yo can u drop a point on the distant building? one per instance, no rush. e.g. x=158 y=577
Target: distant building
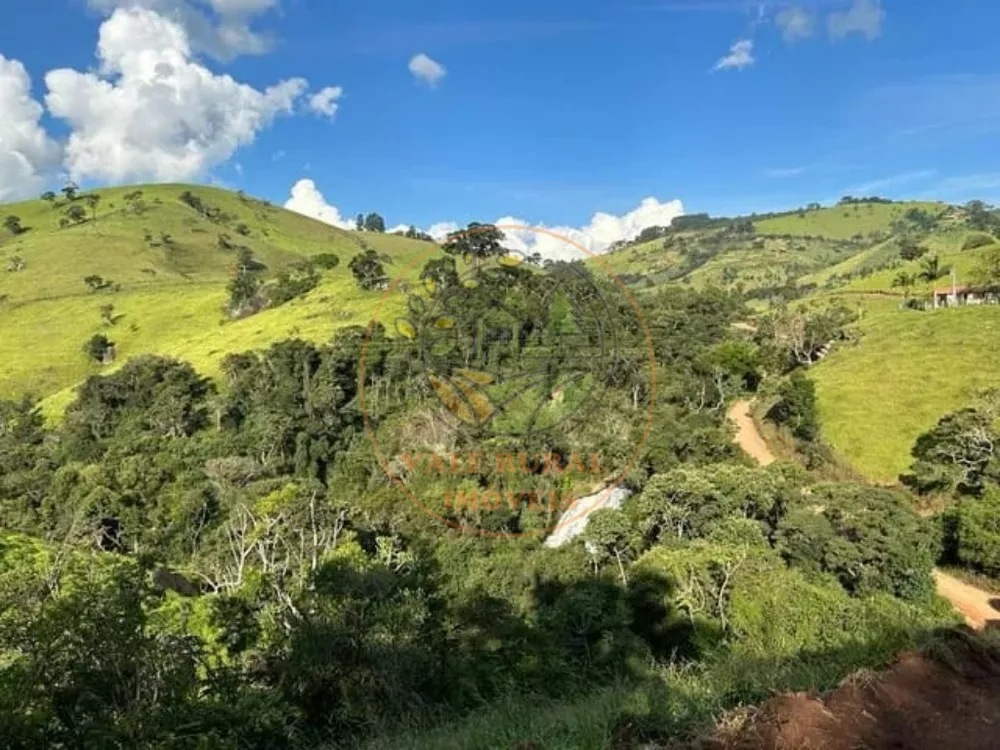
x=957 y=295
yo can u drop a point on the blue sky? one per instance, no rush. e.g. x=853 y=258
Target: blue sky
x=550 y=111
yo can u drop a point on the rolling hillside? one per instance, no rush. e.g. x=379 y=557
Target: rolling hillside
x=167 y=262
x=910 y=367
x=167 y=266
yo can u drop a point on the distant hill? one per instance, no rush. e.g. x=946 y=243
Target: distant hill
x=910 y=368
x=165 y=262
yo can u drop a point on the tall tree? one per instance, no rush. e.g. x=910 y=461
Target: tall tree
x=477 y=243
x=374 y=223
x=368 y=270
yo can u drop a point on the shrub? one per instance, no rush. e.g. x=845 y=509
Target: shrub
x=869 y=538
x=98 y=346
x=796 y=407
x=958 y=455
x=368 y=271
x=326 y=261
x=979 y=239
x=977 y=533
x=295 y=282
x=910 y=250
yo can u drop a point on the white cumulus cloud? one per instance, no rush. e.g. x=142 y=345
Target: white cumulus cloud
x=863 y=17
x=442 y=229
x=220 y=28
x=795 y=23
x=596 y=238
x=324 y=102
x=426 y=70
x=740 y=56
x=309 y=201
x=150 y=111
x=26 y=151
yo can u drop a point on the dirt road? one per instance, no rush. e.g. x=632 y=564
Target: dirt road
x=748 y=437
x=975 y=604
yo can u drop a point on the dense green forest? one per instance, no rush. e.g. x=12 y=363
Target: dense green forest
x=197 y=563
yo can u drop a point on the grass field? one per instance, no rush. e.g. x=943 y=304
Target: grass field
x=911 y=368
x=170 y=296
x=843 y=222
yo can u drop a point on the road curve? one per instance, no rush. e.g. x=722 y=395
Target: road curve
x=975 y=605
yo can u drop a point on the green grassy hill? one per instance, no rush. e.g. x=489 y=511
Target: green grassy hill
x=910 y=369
x=169 y=274
x=843 y=221
x=168 y=264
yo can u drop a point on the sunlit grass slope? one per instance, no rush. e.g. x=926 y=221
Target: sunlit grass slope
x=843 y=221
x=169 y=296
x=911 y=368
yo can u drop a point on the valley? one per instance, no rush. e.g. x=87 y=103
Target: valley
x=355 y=472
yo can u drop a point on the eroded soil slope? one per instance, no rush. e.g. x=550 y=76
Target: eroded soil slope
x=948 y=697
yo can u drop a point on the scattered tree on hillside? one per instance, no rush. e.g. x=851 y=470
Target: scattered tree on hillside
x=987 y=272
x=796 y=407
x=906 y=281
x=415 y=234
x=476 y=244
x=651 y=233
x=374 y=223
x=931 y=268
x=242 y=229
x=244 y=293
x=92 y=200
x=76 y=214
x=97 y=283
x=246 y=262
x=368 y=271
x=70 y=191
x=297 y=280
x=99 y=348
x=359 y=222
x=960 y=454
x=49 y=196
x=977 y=240
x=973 y=526
x=924 y=220
x=327 y=261
x=803 y=331
x=909 y=249
x=13 y=225
x=981 y=217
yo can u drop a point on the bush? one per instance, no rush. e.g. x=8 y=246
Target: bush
x=98 y=346
x=327 y=261
x=368 y=271
x=977 y=533
x=910 y=250
x=300 y=279
x=869 y=538
x=958 y=455
x=979 y=239
x=796 y=407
